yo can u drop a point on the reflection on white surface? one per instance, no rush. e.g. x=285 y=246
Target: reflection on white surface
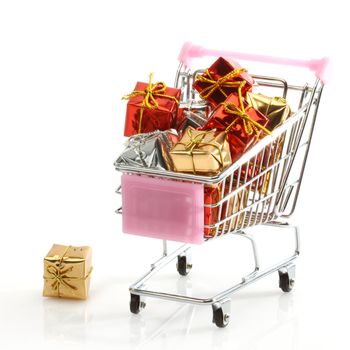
x=258 y=318
x=65 y=320
x=190 y=324
x=262 y=317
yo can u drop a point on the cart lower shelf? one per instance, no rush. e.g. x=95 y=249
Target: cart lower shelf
x=221 y=302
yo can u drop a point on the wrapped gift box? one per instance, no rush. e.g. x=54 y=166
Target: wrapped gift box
x=221 y=79
x=67 y=272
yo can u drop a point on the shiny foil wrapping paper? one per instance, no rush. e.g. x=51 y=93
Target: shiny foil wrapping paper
x=201 y=152
x=212 y=195
x=275 y=109
x=67 y=272
x=264 y=159
x=141 y=119
x=194 y=114
x=149 y=150
x=213 y=85
x=240 y=141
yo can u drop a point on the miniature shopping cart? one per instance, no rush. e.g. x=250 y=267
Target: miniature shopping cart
x=265 y=182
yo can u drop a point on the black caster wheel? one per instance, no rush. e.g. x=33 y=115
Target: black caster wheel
x=136 y=304
x=220 y=319
x=286 y=282
x=183 y=267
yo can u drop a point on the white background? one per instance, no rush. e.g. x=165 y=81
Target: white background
x=63 y=67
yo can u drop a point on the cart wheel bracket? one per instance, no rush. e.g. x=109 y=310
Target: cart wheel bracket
x=287 y=278
x=136 y=303
x=221 y=313
x=184 y=264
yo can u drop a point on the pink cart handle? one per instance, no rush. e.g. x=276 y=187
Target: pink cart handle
x=190 y=51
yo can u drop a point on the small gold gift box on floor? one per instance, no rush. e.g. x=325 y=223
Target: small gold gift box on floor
x=67 y=272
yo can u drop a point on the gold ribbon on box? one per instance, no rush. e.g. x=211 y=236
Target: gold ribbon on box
x=250 y=126
x=220 y=83
x=58 y=274
x=197 y=142
x=152 y=91
x=275 y=108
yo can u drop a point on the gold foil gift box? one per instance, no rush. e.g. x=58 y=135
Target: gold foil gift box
x=277 y=110
x=67 y=272
x=201 y=152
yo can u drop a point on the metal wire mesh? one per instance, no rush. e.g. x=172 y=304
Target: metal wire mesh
x=264 y=183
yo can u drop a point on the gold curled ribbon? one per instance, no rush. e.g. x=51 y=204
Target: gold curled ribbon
x=220 y=83
x=59 y=275
x=150 y=93
x=250 y=126
x=197 y=142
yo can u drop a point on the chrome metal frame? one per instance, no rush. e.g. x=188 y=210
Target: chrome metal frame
x=265 y=182
x=256 y=274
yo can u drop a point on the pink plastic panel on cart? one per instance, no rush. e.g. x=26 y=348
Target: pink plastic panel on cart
x=163 y=209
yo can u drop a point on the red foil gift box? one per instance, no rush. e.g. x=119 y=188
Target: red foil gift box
x=212 y=196
x=151 y=107
x=244 y=124
x=221 y=79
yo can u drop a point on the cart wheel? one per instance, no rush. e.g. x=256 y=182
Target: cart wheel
x=220 y=319
x=286 y=282
x=136 y=304
x=182 y=266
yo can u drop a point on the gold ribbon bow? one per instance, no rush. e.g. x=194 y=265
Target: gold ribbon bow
x=150 y=93
x=194 y=141
x=59 y=276
x=220 y=83
x=197 y=141
x=250 y=126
